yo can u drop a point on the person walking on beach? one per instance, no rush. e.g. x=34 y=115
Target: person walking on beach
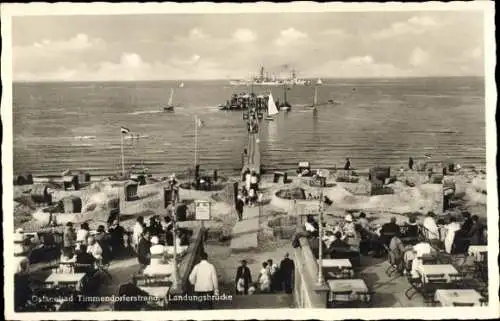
x=287 y=268
x=204 y=278
x=410 y=163
x=243 y=278
x=239 y=207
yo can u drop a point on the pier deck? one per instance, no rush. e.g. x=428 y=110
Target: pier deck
x=252 y=162
x=244 y=233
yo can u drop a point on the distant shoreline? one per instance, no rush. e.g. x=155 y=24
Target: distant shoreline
x=21 y=82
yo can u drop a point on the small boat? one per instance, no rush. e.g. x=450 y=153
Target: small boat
x=319 y=82
x=272 y=110
x=285 y=106
x=181 y=85
x=170 y=106
x=315 y=99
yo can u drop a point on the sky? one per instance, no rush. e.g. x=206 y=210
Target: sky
x=222 y=46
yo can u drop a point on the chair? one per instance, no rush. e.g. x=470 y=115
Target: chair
x=338 y=273
x=65 y=267
x=67 y=284
x=429 y=259
x=103 y=267
x=395 y=266
x=429 y=290
x=48 y=285
x=462 y=304
x=416 y=285
x=457 y=279
x=366 y=297
x=344 y=301
x=430 y=277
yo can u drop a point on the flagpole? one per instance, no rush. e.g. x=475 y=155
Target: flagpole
x=123 y=158
x=195 y=141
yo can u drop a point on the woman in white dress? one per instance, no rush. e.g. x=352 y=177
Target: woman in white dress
x=264 y=278
x=157 y=251
x=83 y=233
x=451 y=229
x=137 y=231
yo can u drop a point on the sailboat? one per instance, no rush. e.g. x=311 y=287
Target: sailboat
x=170 y=105
x=181 y=85
x=315 y=99
x=319 y=82
x=271 y=108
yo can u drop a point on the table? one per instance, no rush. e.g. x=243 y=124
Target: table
x=445 y=269
x=357 y=286
x=341 y=263
x=159 y=269
x=66 y=277
x=476 y=250
x=447 y=297
x=331 y=266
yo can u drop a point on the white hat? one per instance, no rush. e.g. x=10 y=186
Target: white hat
x=348 y=218
x=155 y=240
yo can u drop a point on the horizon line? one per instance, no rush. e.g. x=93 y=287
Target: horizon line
x=235 y=78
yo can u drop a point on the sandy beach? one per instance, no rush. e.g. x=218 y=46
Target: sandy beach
x=470 y=195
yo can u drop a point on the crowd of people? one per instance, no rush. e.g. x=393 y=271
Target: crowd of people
x=154 y=242
x=248 y=194
x=100 y=247
x=271 y=278
x=375 y=239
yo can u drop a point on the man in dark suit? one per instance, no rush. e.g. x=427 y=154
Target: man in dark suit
x=143 y=255
x=239 y=207
x=287 y=268
x=244 y=273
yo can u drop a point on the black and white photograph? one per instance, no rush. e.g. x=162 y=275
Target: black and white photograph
x=281 y=159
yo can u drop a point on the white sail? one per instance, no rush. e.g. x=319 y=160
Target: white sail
x=170 y=100
x=315 y=101
x=181 y=85
x=271 y=106
x=319 y=82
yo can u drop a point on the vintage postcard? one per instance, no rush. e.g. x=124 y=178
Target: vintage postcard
x=249 y=161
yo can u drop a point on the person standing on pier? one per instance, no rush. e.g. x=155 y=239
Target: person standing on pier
x=287 y=268
x=243 y=278
x=273 y=272
x=248 y=181
x=204 y=278
x=254 y=181
x=347 y=165
x=239 y=205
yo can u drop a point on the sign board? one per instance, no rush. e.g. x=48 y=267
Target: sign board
x=202 y=210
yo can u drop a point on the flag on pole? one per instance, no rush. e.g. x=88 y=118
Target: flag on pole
x=124 y=130
x=200 y=123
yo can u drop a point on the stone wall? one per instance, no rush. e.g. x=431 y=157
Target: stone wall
x=307 y=294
